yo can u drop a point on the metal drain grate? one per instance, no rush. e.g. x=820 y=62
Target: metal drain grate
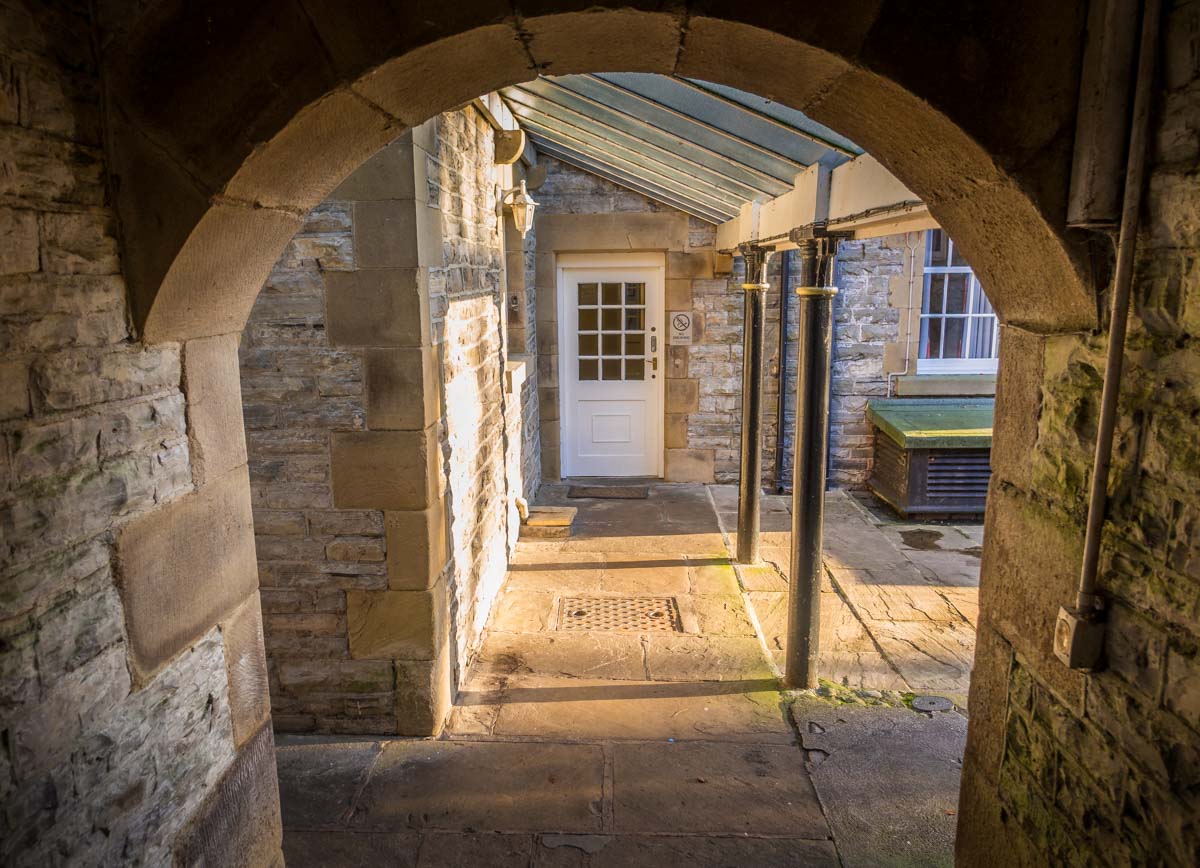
x=619 y=614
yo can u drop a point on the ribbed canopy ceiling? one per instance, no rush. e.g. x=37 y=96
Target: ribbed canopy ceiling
x=702 y=148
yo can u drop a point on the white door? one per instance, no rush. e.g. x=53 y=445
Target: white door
x=610 y=378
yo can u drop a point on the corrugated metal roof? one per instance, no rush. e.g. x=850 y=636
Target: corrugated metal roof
x=702 y=148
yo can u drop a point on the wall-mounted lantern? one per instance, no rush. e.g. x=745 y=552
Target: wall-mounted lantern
x=522 y=207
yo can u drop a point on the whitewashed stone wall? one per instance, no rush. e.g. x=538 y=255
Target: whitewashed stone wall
x=466 y=302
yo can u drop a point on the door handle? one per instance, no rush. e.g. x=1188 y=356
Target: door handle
x=654 y=343
x=654 y=363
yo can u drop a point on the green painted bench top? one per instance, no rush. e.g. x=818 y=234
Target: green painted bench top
x=954 y=423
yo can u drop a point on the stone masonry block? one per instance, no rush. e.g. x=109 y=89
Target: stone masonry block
x=691 y=465
x=383 y=307
x=184 y=566
x=424 y=691
x=390 y=174
x=20 y=232
x=385 y=469
x=679 y=294
x=212 y=382
x=1018 y=405
x=403 y=388
x=239 y=823
x=563 y=233
x=683 y=396
x=418 y=546
x=385 y=234
x=989 y=698
x=676 y=431
x=398 y=625
x=692 y=266
x=246 y=665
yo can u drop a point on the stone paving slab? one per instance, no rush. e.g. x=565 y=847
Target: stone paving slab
x=581 y=655
x=633 y=578
x=484 y=786
x=597 y=709
x=345 y=849
x=519 y=611
x=318 y=782
x=645 y=851
x=705 y=658
x=708 y=788
x=710 y=578
x=888 y=779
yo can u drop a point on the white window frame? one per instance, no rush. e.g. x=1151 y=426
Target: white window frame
x=974 y=289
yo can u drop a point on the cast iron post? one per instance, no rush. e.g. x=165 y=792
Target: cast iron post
x=814 y=349
x=750 y=477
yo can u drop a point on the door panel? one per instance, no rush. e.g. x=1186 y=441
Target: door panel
x=611 y=340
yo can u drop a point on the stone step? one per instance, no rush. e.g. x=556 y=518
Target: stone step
x=548 y=522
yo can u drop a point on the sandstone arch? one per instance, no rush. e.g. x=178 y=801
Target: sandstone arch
x=228 y=124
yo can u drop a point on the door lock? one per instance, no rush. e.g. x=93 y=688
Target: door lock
x=654 y=363
x=654 y=343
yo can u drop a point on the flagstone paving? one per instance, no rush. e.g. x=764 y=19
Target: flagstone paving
x=572 y=747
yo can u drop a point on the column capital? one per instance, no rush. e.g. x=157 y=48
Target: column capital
x=757 y=257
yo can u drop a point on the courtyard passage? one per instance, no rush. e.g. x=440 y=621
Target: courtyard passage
x=625 y=710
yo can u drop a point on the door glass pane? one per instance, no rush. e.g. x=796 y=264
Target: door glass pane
x=612 y=369
x=931 y=338
x=635 y=293
x=612 y=294
x=611 y=344
x=589 y=320
x=635 y=369
x=634 y=320
x=589 y=345
x=635 y=345
x=935 y=248
x=589 y=369
x=957 y=286
x=587 y=293
x=611 y=319
x=952 y=345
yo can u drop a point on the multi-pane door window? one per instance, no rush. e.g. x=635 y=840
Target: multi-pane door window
x=612 y=331
x=959 y=329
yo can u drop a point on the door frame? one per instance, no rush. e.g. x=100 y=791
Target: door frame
x=645 y=259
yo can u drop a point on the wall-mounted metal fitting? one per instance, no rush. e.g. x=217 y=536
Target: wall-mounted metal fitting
x=1079 y=638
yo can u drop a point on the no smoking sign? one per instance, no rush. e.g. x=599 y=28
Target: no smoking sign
x=680 y=323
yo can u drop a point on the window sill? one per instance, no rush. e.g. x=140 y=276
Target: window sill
x=946 y=385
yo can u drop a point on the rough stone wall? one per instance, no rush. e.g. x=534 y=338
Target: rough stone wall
x=320 y=559
x=104 y=758
x=296 y=388
x=865 y=323
x=1064 y=767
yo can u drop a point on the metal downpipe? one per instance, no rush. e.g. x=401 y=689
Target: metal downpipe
x=814 y=354
x=750 y=474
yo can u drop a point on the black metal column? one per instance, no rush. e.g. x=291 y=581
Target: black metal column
x=815 y=348
x=750 y=476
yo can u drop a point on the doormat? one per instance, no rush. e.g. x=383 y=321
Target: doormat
x=610 y=492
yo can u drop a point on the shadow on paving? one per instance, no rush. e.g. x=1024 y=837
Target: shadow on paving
x=592 y=749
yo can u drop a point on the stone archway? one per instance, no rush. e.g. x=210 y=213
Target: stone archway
x=227 y=126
